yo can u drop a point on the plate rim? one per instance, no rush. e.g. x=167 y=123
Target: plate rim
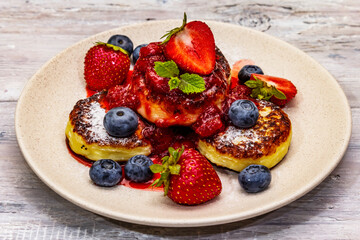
x=189 y=223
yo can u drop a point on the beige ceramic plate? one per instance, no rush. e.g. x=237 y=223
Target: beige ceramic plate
x=320 y=116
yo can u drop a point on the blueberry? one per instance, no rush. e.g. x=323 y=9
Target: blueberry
x=245 y=73
x=137 y=169
x=255 y=178
x=105 y=173
x=121 y=122
x=122 y=41
x=136 y=52
x=243 y=113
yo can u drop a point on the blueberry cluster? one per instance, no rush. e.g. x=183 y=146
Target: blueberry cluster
x=125 y=43
x=108 y=173
x=121 y=122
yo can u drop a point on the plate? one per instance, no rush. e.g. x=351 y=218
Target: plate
x=320 y=115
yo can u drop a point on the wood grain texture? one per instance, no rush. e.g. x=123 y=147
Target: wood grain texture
x=31 y=32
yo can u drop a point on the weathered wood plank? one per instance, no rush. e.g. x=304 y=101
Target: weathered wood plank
x=331 y=39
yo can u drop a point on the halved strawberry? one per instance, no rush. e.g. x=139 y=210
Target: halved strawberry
x=188 y=177
x=105 y=66
x=277 y=90
x=191 y=47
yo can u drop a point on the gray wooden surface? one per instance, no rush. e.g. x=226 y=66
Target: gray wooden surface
x=33 y=31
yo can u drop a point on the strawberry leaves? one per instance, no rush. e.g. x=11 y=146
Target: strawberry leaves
x=187 y=83
x=263 y=90
x=169 y=166
x=168 y=35
x=115 y=48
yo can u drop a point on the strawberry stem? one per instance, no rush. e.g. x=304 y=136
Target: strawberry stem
x=168 y=167
x=170 y=33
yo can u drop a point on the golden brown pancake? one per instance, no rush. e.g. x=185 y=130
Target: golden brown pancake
x=87 y=136
x=266 y=143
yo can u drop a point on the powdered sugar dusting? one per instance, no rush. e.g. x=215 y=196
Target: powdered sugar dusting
x=244 y=138
x=96 y=129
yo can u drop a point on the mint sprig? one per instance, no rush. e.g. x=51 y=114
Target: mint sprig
x=262 y=90
x=169 y=166
x=166 y=69
x=187 y=83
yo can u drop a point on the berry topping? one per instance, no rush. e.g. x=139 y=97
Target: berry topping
x=121 y=96
x=105 y=173
x=243 y=113
x=122 y=41
x=246 y=71
x=209 y=122
x=254 y=178
x=105 y=66
x=121 y=122
x=191 y=47
x=137 y=169
x=188 y=177
x=278 y=90
x=136 y=53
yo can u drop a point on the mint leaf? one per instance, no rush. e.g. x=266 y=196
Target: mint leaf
x=174 y=82
x=191 y=83
x=166 y=69
x=188 y=83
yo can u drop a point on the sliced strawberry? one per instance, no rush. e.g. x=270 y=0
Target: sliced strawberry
x=239 y=65
x=278 y=90
x=191 y=47
x=188 y=177
x=233 y=82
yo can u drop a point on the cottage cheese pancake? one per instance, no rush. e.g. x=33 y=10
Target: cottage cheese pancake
x=166 y=108
x=87 y=136
x=266 y=143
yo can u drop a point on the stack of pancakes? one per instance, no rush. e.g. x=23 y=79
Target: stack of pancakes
x=266 y=143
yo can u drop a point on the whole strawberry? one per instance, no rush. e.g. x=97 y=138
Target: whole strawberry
x=106 y=65
x=191 y=47
x=187 y=176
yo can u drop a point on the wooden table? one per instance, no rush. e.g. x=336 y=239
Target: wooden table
x=33 y=31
